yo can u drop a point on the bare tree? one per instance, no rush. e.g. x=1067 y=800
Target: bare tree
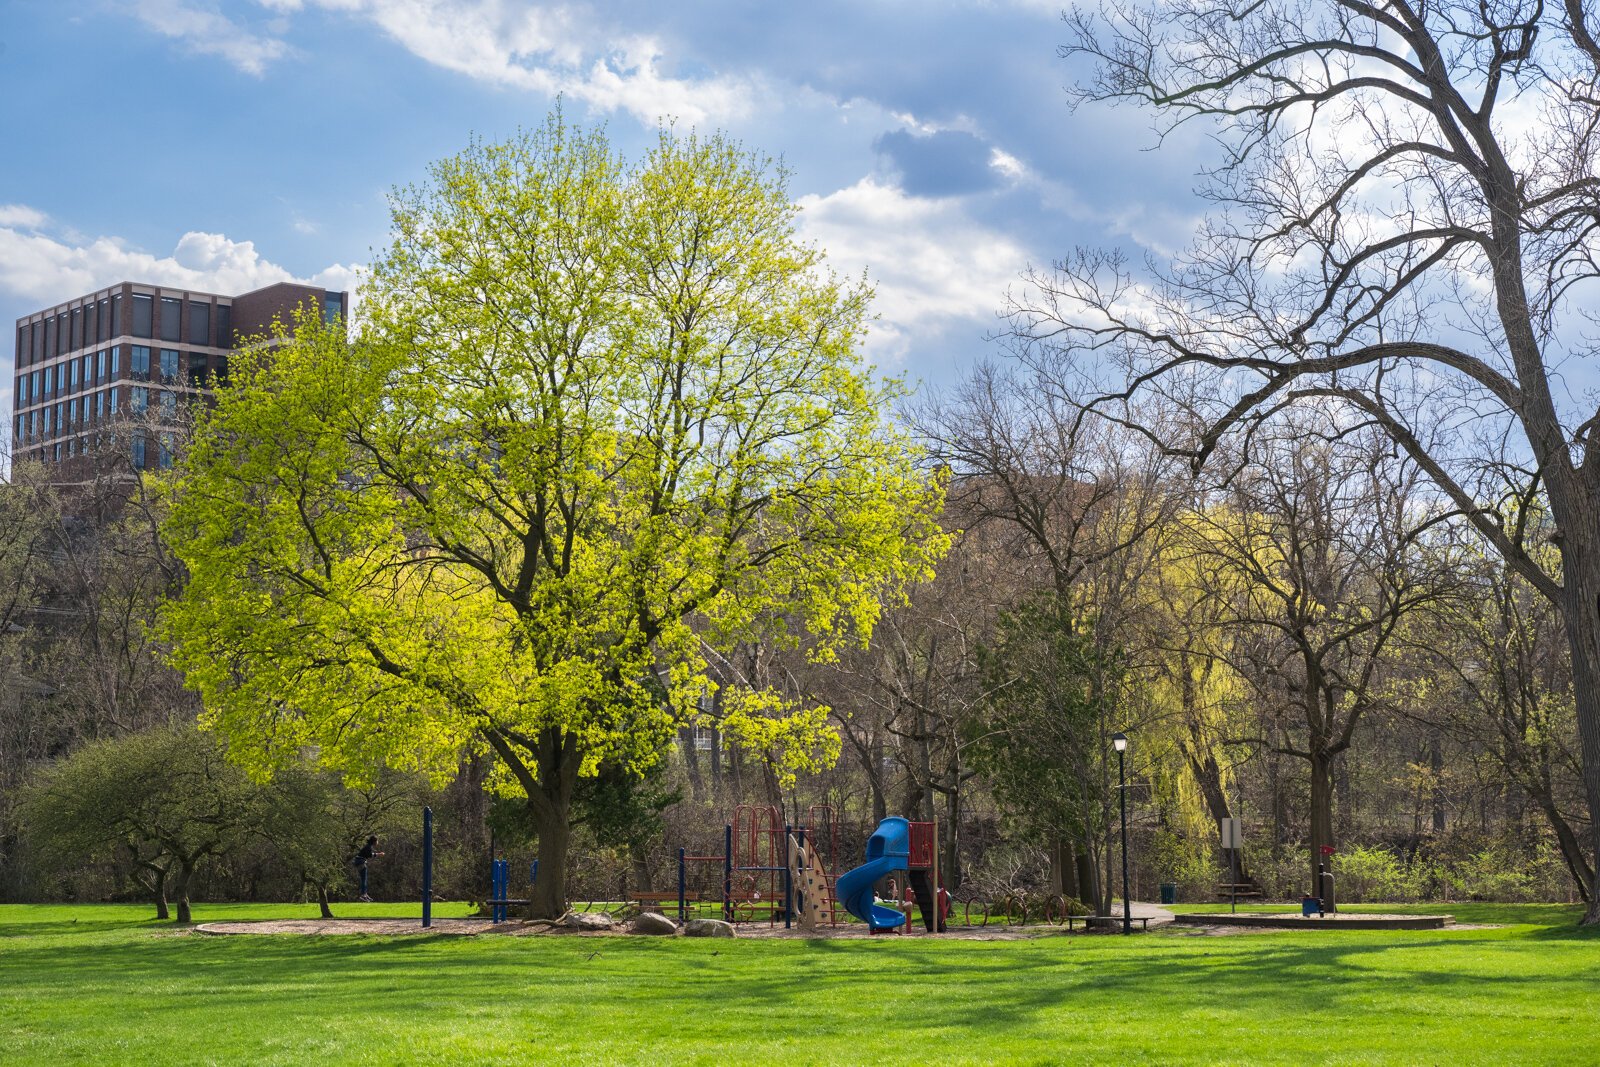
x=1319 y=555
x=1408 y=210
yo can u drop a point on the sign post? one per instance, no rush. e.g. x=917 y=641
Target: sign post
x=1232 y=839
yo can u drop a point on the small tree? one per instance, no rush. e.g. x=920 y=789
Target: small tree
x=314 y=823
x=1043 y=745
x=166 y=799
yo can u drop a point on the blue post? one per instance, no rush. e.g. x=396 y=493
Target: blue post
x=727 y=872
x=500 y=881
x=683 y=913
x=427 y=867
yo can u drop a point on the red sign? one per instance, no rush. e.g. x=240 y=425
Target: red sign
x=1328 y=850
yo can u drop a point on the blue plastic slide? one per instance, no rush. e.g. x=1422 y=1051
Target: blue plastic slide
x=888 y=850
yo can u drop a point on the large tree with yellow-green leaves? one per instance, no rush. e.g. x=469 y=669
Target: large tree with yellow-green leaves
x=599 y=419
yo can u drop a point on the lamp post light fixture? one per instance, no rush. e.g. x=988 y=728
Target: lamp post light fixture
x=1119 y=741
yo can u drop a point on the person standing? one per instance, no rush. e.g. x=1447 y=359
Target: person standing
x=360 y=859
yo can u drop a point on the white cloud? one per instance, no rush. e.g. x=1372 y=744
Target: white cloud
x=929 y=261
x=41 y=269
x=204 y=29
x=548 y=50
x=22 y=216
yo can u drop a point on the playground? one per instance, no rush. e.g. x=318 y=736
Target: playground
x=104 y=984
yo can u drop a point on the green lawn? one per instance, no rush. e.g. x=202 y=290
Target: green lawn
x=104 y=984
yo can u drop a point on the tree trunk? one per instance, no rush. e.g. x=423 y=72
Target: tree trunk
x=714 y=757
x=323 y=908
x=556 y=759
x=1571 y=848
x=1580 y=562
x=160 y=893
x=180 y=889
x=950 y=865
x=642 y=878
x=691 y=759
x=1321 y=814
x=1094 y=894
x=548 y=899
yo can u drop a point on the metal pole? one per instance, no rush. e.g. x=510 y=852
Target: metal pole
x=683 y=913
x=1233 y=863
x=788 y=881
x=1122 y=796
x=427 y=867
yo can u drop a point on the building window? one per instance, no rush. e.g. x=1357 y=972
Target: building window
x=169 y=364
x=105 y=320
x=140 y=361
x=138 y=453
x=224 y=325
x=76 y=337
x=197 y=371
x=113 y=401
x=138 y=399
x=36 y=393
x=61 y=334
x=219 y=367
x=142 y=312
x=332 y=308
x=72 y=412
x=99 y=406
x=199 y=323
x=171 y=319
x=100 y=367
x=169 y=404
x=23 y=399
x=166 y=451
x=118 y=325
x=55 y=452
x=72 y=374
x=113 y=362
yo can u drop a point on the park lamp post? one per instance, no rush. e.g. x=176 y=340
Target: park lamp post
x=1119 y=741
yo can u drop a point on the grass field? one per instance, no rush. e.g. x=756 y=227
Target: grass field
x=105 y=984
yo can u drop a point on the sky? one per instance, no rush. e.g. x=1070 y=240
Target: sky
x=228 y=144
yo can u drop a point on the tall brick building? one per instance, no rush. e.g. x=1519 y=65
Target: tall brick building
x=125 y=357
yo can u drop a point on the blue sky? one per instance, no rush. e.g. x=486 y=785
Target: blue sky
x=226 y=144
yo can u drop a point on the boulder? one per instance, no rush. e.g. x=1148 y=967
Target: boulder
x=707 y=928
x=587 y=920
x=652 y=922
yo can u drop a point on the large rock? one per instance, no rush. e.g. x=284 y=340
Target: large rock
x=707 y=928
x=651 y=922
x=587 y=920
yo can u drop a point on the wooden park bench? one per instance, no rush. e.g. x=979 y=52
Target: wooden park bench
x=1242 y=890
x=1103 y=920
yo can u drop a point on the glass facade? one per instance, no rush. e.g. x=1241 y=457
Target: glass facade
x=139 y=361
x=169 y=364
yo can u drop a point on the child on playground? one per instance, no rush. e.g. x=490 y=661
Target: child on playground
x=368 y=850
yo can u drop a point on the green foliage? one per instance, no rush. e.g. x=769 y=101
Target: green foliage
x=166 y=799
x=1373 y=873
x=599 y=417
x=1041 y=744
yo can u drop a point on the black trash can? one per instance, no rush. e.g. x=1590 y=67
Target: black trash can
x=1169 y=892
